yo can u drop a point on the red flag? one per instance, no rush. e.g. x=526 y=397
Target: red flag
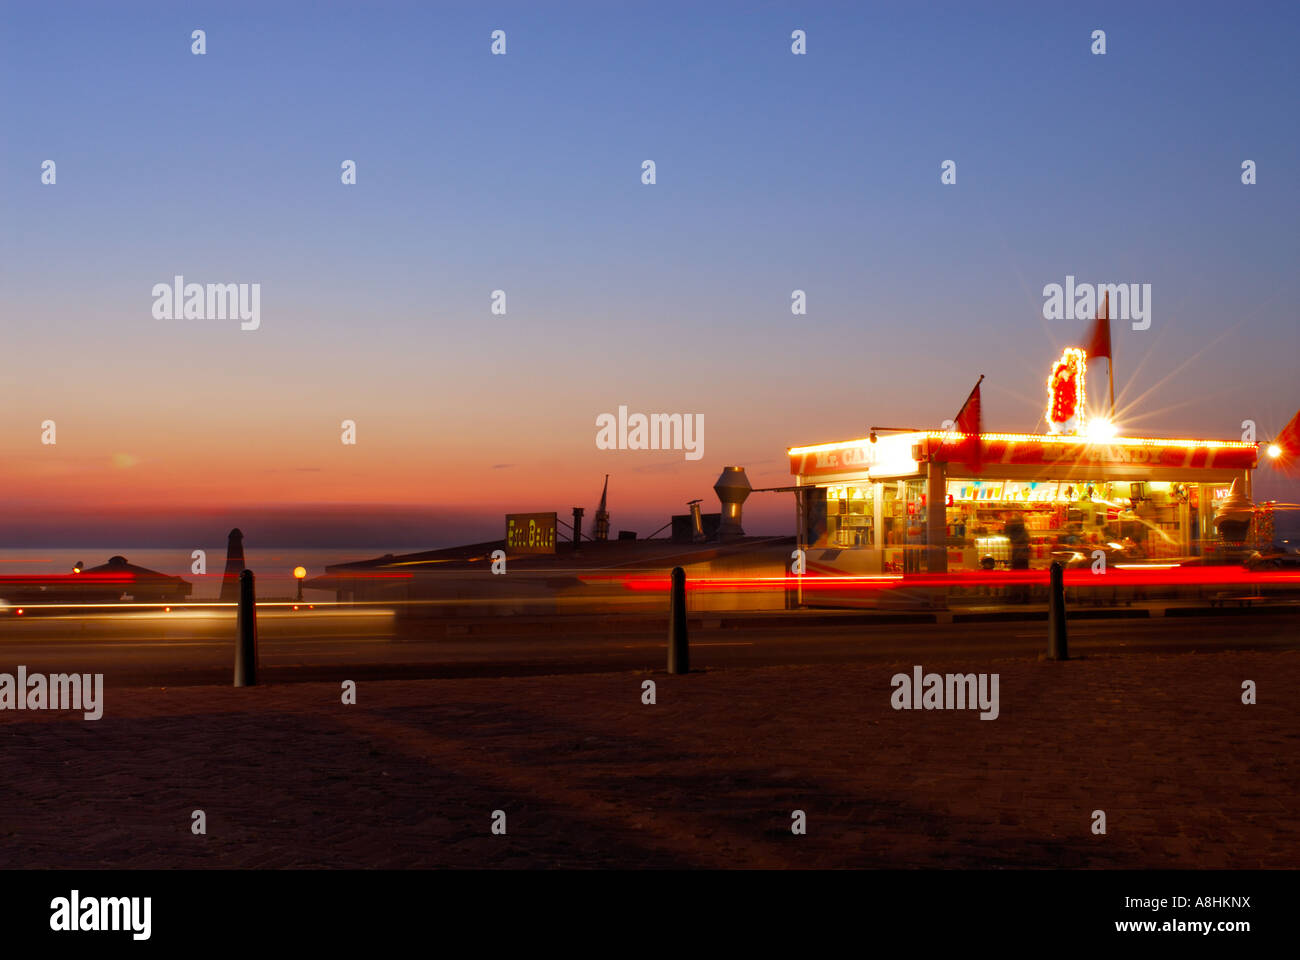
x=969 y=422
x=1098 y=342
x=1289 y=441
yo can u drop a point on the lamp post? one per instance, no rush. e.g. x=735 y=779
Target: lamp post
x=299 y=573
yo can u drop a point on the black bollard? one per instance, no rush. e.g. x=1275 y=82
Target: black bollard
x=246 y=633
x=679 y=651
x=1058 y=647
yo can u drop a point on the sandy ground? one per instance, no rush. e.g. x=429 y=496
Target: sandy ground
x=589 y=776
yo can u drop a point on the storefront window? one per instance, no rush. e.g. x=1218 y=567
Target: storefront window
x=903 y=525
x=1014 y=523
x=850 y=516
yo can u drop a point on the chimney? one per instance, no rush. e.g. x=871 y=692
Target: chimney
x=697 y=522
x=732 y=488
x=577 y=526
x=234 y=567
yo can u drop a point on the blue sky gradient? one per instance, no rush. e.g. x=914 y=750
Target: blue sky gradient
x=522 y=172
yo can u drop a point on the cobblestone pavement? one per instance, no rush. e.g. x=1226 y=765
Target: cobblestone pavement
x=588 y=776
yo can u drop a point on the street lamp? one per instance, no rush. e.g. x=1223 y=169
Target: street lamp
x=298 y=574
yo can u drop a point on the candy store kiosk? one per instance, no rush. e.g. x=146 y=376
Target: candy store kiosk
x=936 y=501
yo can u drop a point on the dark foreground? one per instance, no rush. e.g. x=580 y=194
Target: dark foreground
x=589 y=776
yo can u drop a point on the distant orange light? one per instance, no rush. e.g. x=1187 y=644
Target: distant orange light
x=300 y=572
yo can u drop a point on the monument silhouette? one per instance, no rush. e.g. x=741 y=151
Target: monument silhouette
x=234 y=566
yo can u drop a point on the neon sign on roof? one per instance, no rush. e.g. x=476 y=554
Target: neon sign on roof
x=1066 y=393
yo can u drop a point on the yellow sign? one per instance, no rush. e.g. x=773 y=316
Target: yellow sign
x=530 y=532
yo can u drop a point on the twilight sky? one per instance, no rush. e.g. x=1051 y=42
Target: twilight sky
x=522 y=173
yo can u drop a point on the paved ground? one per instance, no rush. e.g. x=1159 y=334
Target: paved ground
x=590 y=777
x=189 y=649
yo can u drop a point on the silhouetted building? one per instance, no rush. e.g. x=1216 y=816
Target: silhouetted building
x=234 y=567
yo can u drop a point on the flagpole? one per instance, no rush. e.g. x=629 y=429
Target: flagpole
x=1110 y=361
x=1110 y=375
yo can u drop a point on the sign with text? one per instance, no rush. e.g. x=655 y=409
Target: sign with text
x=1046 y=450
x=530 y=532
x=1186 y=454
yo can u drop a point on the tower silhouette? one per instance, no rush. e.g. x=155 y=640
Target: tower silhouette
x=234 y=566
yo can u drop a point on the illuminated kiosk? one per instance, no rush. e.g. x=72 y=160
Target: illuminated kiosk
x=869 y=502
x=866 y=506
